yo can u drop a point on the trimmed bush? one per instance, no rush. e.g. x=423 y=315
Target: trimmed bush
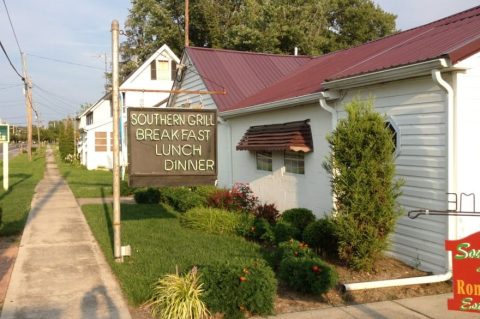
x=307 y=274
x=267 y=211
x=177 y=296
x=239 y=287
x=204 y=190
x=298 y=217
x=294 y=248
x=239 y=198
x=147 y=196
x=362 y=170
x=181 y=198
x=284 y=231
x=212 y=220
x=321 y=236
x=261 y=231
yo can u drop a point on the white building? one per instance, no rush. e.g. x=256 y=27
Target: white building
x=142 y=88
x=427 y=82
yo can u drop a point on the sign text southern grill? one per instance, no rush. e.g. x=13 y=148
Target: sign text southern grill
x=166 y=144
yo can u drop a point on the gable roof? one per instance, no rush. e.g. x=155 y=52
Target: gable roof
x=455 y=37
x=240 y=74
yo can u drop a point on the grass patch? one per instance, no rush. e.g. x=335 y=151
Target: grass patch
x=86 y=183
x=159 y=243
x=23 y=177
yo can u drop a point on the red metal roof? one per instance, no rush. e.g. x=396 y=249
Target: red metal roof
x=250 y=80
x=241 y=74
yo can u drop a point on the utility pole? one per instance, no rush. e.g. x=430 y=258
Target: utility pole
x=28 y=103
x=187 y=39
x=116 y=155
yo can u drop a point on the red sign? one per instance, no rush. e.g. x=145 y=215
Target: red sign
x=466 y=273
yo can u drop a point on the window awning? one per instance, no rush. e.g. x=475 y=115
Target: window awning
x=292 y=136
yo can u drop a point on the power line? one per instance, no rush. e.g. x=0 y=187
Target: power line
x=64 y=62
x=58 y=97
x=11 y=64
x=10 y=86
x=11 y=25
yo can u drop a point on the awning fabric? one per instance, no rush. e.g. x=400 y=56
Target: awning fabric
x=292 y=136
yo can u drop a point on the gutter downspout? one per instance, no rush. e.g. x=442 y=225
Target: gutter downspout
x=452 y=222
x=323 y=103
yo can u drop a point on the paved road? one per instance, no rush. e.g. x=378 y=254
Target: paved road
x=13 y=150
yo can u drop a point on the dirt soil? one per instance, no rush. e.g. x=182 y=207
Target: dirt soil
x=385 y=268
x=8 y=254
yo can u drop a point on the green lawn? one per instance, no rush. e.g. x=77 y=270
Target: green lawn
x=159 y=243
x=23 y=177
x=86 y=183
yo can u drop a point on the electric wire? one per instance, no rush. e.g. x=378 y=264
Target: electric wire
x=65 y=62
x=58 y=97
x=11 y=25
x=10 y=86
x=10 y=61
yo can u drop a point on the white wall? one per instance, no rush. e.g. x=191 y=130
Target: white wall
x=419 y=109
x=287 y=190
x=467 y=104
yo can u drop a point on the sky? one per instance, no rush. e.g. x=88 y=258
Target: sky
x=79 y=32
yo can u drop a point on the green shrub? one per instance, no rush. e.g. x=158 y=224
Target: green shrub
x=239 y=287
x=212 y=220
x=1 y=216
x=307 y=274
x=126 y=190
x=284 y=231
x=182 y=198
x=294 y=248
x=261 y=231
x=321 y=236
x=239 y=198
x=177 y=296
x=205 y=190
x=147 y=196
x=298 y=217
x=362 y=169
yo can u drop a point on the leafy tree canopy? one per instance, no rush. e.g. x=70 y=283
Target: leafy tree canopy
x=274 y=26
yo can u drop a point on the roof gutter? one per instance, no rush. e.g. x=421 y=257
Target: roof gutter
x=399 y=73
x=280 y=104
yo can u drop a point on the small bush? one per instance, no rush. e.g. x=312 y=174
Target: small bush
x=268 y=212
x=204 y=190
x=261 y=231
x=307 y=274
x=247 y=224
x=298 y=217
x=126 y=190
x=223 y=199
x=147 y=196
x=294 y=248
x=321 y=236
x=212 y=220
x=284 y=231
x=177 y=296
x=238 y=288
x=239 y=198
x=181 y=198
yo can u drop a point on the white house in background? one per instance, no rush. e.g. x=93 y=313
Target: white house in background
x=95 y=123
x=278 y=110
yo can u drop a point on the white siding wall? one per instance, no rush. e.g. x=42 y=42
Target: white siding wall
x=468 y=141
x=287 y=190
x=418 y=107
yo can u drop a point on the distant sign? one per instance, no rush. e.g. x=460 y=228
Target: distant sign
x=171 y=147
x=466 y=273
x=4 y=133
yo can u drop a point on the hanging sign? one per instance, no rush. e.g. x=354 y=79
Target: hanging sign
x=466 y=273
x=171 y=147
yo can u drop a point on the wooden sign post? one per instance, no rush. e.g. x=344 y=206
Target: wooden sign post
x=5 y=139
x=171 y=147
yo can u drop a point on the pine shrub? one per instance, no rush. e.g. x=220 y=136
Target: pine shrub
x=147 y=196
x=321 y=235
x=239 y=287
x=307 y=274
x=298 y=217
x=362 y=169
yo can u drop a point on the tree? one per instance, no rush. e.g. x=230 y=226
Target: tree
x=362 y=170
x=66 y=143
x=316 y=27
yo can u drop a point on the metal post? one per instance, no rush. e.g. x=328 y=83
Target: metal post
x=116 y=171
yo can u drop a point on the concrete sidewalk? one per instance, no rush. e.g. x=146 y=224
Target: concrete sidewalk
x=60 y=271
x=429 y=307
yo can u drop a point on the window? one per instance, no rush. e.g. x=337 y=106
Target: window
x=163 y=70
x=264 y=161
x=90 y=118
x=153 y=70
x=100 y=141
x=173 y=70
x=294 y=162
x=393 y=128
